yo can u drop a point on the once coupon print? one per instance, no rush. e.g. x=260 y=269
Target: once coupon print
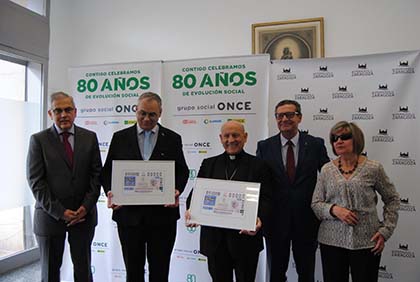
x=136 y=182
x=224 y=203
x=150 y=182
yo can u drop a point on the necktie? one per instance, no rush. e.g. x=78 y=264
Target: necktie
x=147 y=145
x=67 y=147
x=290 y=161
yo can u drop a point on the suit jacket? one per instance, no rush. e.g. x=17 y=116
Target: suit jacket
x=124 y=146
x=293 y=216
x=56 y=185
x=249 y=169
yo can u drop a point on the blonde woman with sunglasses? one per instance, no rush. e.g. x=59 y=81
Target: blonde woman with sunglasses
x=351 y=235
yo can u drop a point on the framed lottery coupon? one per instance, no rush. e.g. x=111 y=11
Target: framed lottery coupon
x=225 y=203
x=143 y=182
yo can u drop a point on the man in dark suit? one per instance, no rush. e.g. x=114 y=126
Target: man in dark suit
x=147 y=230
x=295 y=166
x=228 y=249
x=63 y=168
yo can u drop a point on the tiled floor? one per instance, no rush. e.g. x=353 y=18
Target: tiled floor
x=28 y=273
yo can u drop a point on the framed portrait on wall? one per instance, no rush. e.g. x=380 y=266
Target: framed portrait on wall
x=295 y=39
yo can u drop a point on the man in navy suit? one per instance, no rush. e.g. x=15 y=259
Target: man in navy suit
x=147 y=230
x=295 y=158
x=63 y=168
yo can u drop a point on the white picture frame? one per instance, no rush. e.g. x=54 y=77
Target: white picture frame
x=136 y=182
x=225 y=203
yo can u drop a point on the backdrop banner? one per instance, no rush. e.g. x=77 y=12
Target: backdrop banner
x=106 y=98
x=378 y=92
x=381 y=94
x=200 y=95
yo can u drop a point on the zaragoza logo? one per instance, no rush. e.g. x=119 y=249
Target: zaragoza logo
x=342 y=93
x=323 y=115
x=383 y=273
x=403 y=68
x=286 y=74
x=406 y=206
x=403 y=251
x=323 y=73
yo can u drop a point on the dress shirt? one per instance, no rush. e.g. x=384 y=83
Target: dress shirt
x=153 y=138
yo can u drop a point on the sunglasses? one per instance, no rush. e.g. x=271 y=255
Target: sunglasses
x=288 y=115
x=343 y=137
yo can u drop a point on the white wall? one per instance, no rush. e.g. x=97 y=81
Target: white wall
x=23 y=31
x=85 y=32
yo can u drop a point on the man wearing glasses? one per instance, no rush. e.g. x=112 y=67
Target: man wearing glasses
x=146 y=230
x=63 y=169
x=295 y=158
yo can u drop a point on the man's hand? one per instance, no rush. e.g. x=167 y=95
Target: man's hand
x=69 y=215
x=80 y=216
x=188 y=218
x=176 y=200
x=109 y=203
x=252 y=233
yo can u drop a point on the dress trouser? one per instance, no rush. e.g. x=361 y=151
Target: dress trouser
x=152 y=241
x=80 y=238
x=278 y=255
x=336 y=262
x=222 y=264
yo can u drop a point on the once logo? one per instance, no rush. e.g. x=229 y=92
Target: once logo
x=125 y=108
x=191 y=229
x=193 y=173
x=100 y=244
x=202 y=144
x=191 y=278
x=240 y=106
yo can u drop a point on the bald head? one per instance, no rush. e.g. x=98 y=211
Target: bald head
x=232 y=123
x=233 y=137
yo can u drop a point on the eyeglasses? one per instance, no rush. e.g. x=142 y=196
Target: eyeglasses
x=289 y=115
x=58 y=111
x=152 y=115
x=343 y=137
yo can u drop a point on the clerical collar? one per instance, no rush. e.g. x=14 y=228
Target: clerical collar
x=236 y=156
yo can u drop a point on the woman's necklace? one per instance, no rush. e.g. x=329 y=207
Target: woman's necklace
x=340 y=167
